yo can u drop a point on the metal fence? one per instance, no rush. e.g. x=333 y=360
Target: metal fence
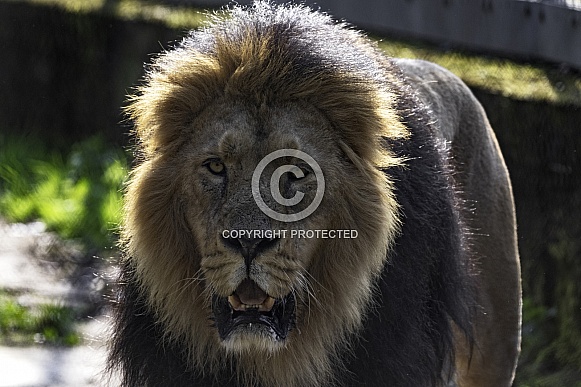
x=547 y=30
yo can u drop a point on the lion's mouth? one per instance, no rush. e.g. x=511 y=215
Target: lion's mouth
x=251 y=310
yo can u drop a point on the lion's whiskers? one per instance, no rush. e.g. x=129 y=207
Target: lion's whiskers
x=179 y=287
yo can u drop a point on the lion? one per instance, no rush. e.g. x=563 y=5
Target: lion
x=412 y=277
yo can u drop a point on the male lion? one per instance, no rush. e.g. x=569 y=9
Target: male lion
x=413 y=276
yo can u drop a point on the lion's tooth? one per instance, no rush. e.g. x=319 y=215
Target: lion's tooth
x=235 y=302
x=267 y=305
x=238 y=305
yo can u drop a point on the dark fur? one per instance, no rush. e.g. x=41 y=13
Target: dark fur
x=407 y=338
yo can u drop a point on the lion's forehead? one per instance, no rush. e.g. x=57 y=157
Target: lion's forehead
x=236 y=131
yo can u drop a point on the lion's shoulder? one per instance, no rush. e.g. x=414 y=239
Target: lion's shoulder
x=451 y=102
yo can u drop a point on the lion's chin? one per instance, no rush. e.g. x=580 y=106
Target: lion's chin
x=249 y=318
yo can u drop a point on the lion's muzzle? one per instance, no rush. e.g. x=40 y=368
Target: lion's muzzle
x=249 y=247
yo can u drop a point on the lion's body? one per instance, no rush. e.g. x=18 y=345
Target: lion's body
x=488 y=211
x=428 y=293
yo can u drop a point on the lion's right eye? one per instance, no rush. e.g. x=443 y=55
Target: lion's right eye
x=215 y=166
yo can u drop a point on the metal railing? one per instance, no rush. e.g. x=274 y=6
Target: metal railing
x=548 y=30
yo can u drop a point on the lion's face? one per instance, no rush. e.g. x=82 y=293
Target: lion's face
x=272 y=294
x=261 y=284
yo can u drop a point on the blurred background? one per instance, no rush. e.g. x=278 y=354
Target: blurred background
x=67 y=66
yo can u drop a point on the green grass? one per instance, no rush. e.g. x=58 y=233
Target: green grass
x=76 y=193
x=178 y=17
x=50 y=324
x=508 y=78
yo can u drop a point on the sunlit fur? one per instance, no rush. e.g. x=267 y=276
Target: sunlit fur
x=167 y=227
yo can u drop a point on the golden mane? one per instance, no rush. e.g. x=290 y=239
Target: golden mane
x=242 y=59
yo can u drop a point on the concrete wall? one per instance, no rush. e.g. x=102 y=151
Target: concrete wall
x=520 y=28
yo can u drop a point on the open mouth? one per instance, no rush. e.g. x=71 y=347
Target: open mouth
x=250 y=309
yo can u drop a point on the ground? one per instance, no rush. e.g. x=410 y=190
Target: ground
x=33 y=281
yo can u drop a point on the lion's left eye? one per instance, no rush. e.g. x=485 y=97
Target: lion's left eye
x=215 y=166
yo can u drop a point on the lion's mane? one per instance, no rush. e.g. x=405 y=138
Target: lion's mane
x=383 y=305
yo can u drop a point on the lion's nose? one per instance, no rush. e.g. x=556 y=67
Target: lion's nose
x=250 y=247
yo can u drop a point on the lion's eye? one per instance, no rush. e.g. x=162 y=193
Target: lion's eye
x=215 y=166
